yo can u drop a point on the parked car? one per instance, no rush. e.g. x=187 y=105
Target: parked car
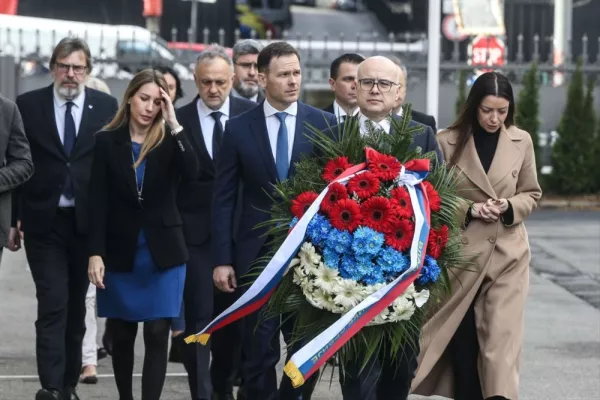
x=312 y=3
x=347 y=5
x=186 y=53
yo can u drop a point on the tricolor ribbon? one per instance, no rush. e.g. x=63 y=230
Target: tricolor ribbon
x=310 y=357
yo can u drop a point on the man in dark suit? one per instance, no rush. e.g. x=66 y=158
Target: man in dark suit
x=259 y=149
x=204 y=119
x=245 y=78
x=17 y=169
x=383 y=379
x=417 y=116
x=60 y=121
x=342 y=80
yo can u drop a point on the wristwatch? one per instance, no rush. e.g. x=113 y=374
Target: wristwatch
x=176 y=130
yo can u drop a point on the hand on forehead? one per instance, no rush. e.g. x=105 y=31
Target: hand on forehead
x=378 y=67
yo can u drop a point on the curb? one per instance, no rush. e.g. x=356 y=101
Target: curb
x=574 y=204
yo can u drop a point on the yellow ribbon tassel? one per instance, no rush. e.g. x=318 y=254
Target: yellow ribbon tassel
x=294 y=374
x=202 y=339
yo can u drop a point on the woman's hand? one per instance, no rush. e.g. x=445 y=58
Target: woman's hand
x=96 y=271
x=500 y=204
x=168 y=111
x=487 y=211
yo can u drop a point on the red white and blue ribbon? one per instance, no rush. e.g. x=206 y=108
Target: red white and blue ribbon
x=313 y=355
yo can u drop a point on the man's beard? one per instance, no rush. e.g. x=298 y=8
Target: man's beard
x=69 y=93
x=246 y=90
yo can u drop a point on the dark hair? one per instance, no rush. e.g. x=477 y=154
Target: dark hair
x=69 y=45
x=488 y=84
x=274 y=50
x=351 y=58
x=168 y=70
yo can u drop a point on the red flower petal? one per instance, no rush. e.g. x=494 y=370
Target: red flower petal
x=438 y=238
x=334 y=168
x=345 y=215
x=364 y=185
x=400 y=234
x=377 y=213
x=301 y=203
x=435 y=202
x=384 y=167
x=336 y=192
x=401 y=202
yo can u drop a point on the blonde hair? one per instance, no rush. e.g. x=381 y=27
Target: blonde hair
x=98 y=84
x=156 y=133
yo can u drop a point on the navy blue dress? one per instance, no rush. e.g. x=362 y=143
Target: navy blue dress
x=147 y=292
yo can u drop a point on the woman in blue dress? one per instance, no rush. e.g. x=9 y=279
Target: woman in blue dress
x=137 y=250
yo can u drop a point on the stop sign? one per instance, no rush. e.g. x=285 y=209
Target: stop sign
x=486 y=51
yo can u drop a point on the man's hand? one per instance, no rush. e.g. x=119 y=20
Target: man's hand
x=15 y=237
x=224 y=278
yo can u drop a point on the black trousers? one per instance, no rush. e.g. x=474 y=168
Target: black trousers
x=198 y=301
x=382 y=378
x=58 y=263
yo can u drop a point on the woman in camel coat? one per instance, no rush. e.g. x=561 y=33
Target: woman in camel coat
x=472 y=345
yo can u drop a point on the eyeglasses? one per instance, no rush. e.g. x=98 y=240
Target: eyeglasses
x=77 y=69
x=248 y=65
x=383 y=84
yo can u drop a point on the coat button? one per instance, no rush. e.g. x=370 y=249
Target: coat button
x=515 y=173
x=464 y=240
x=492 y=240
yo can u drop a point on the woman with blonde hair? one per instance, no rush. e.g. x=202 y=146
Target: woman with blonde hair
x=471 y=347
x=137 y=251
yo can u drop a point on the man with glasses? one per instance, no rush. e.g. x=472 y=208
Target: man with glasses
x=383 y=378
x=245 y=80
x=52 y=209
x=205 y=119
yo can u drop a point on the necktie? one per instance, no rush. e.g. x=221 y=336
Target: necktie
x=68 y=144
x=217 y=133
x=343 y=119
x=281 y=160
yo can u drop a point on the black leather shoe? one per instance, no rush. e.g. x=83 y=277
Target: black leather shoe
x=177 y=349
x=71 y=394
x=48 y=394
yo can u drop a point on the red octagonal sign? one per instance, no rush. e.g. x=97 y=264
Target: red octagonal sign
x=486 y=51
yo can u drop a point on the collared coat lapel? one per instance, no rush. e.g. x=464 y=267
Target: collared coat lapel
x=125 y=157
x=48 y=111
x=84 y=141
x=193 y=121
x=261 y=136
x=506 y=156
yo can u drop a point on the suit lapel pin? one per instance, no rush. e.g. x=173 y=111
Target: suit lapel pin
x=90 y=106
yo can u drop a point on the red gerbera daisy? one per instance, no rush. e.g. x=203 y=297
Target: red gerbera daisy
x=400 y=234
x=336 y=192
x=301 y=203
x=364 y=185
x=384 y=166
x=377 y=213
x=438 y=238
x=401 y=202
x=335 y=167
x=435 y=202
x=345 y=215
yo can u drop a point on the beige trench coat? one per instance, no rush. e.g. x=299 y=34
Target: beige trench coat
x=498 y=277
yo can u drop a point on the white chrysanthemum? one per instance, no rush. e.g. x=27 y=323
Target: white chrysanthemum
x=410 y=291
x=348 y=294
x=403 y=309
x=421 y=297
x=326 y=278
x=308 y=255
x=321 y=299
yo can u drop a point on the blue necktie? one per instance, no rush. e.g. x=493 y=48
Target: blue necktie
x=281 y=160
x=68 y=144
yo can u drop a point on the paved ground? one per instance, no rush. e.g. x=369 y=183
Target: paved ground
x=561 y=357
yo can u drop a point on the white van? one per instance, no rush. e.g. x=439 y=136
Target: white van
x=131 y=47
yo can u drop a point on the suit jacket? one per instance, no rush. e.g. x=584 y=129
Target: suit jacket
x=500 y=255
x=116 y=214
x=424 y=119
x=424 y=139
x=16 y=167
x=329 y=109
x=246 y=155
x=194 y=197
x=37 y=202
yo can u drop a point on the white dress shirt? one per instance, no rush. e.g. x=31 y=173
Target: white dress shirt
x=383 y=124
x=273 y=125
x=237 y=94
x=340 y=112
x=60 y=107
x=207 y=122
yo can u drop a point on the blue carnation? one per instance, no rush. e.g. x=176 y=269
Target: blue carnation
x=318 y=230
x=294 y=222
x=331 y=257
x=392 y=262
x=367 y=241
x=348 y=267
x=374 y=277
x=339 y=241
x=430 y=271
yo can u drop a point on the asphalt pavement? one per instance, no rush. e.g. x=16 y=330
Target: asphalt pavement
x=561 y=357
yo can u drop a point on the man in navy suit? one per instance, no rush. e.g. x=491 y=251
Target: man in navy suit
x=204 y=119
x=383 y=378
x=342 y=80
x=60 y=121
x=259 y=149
